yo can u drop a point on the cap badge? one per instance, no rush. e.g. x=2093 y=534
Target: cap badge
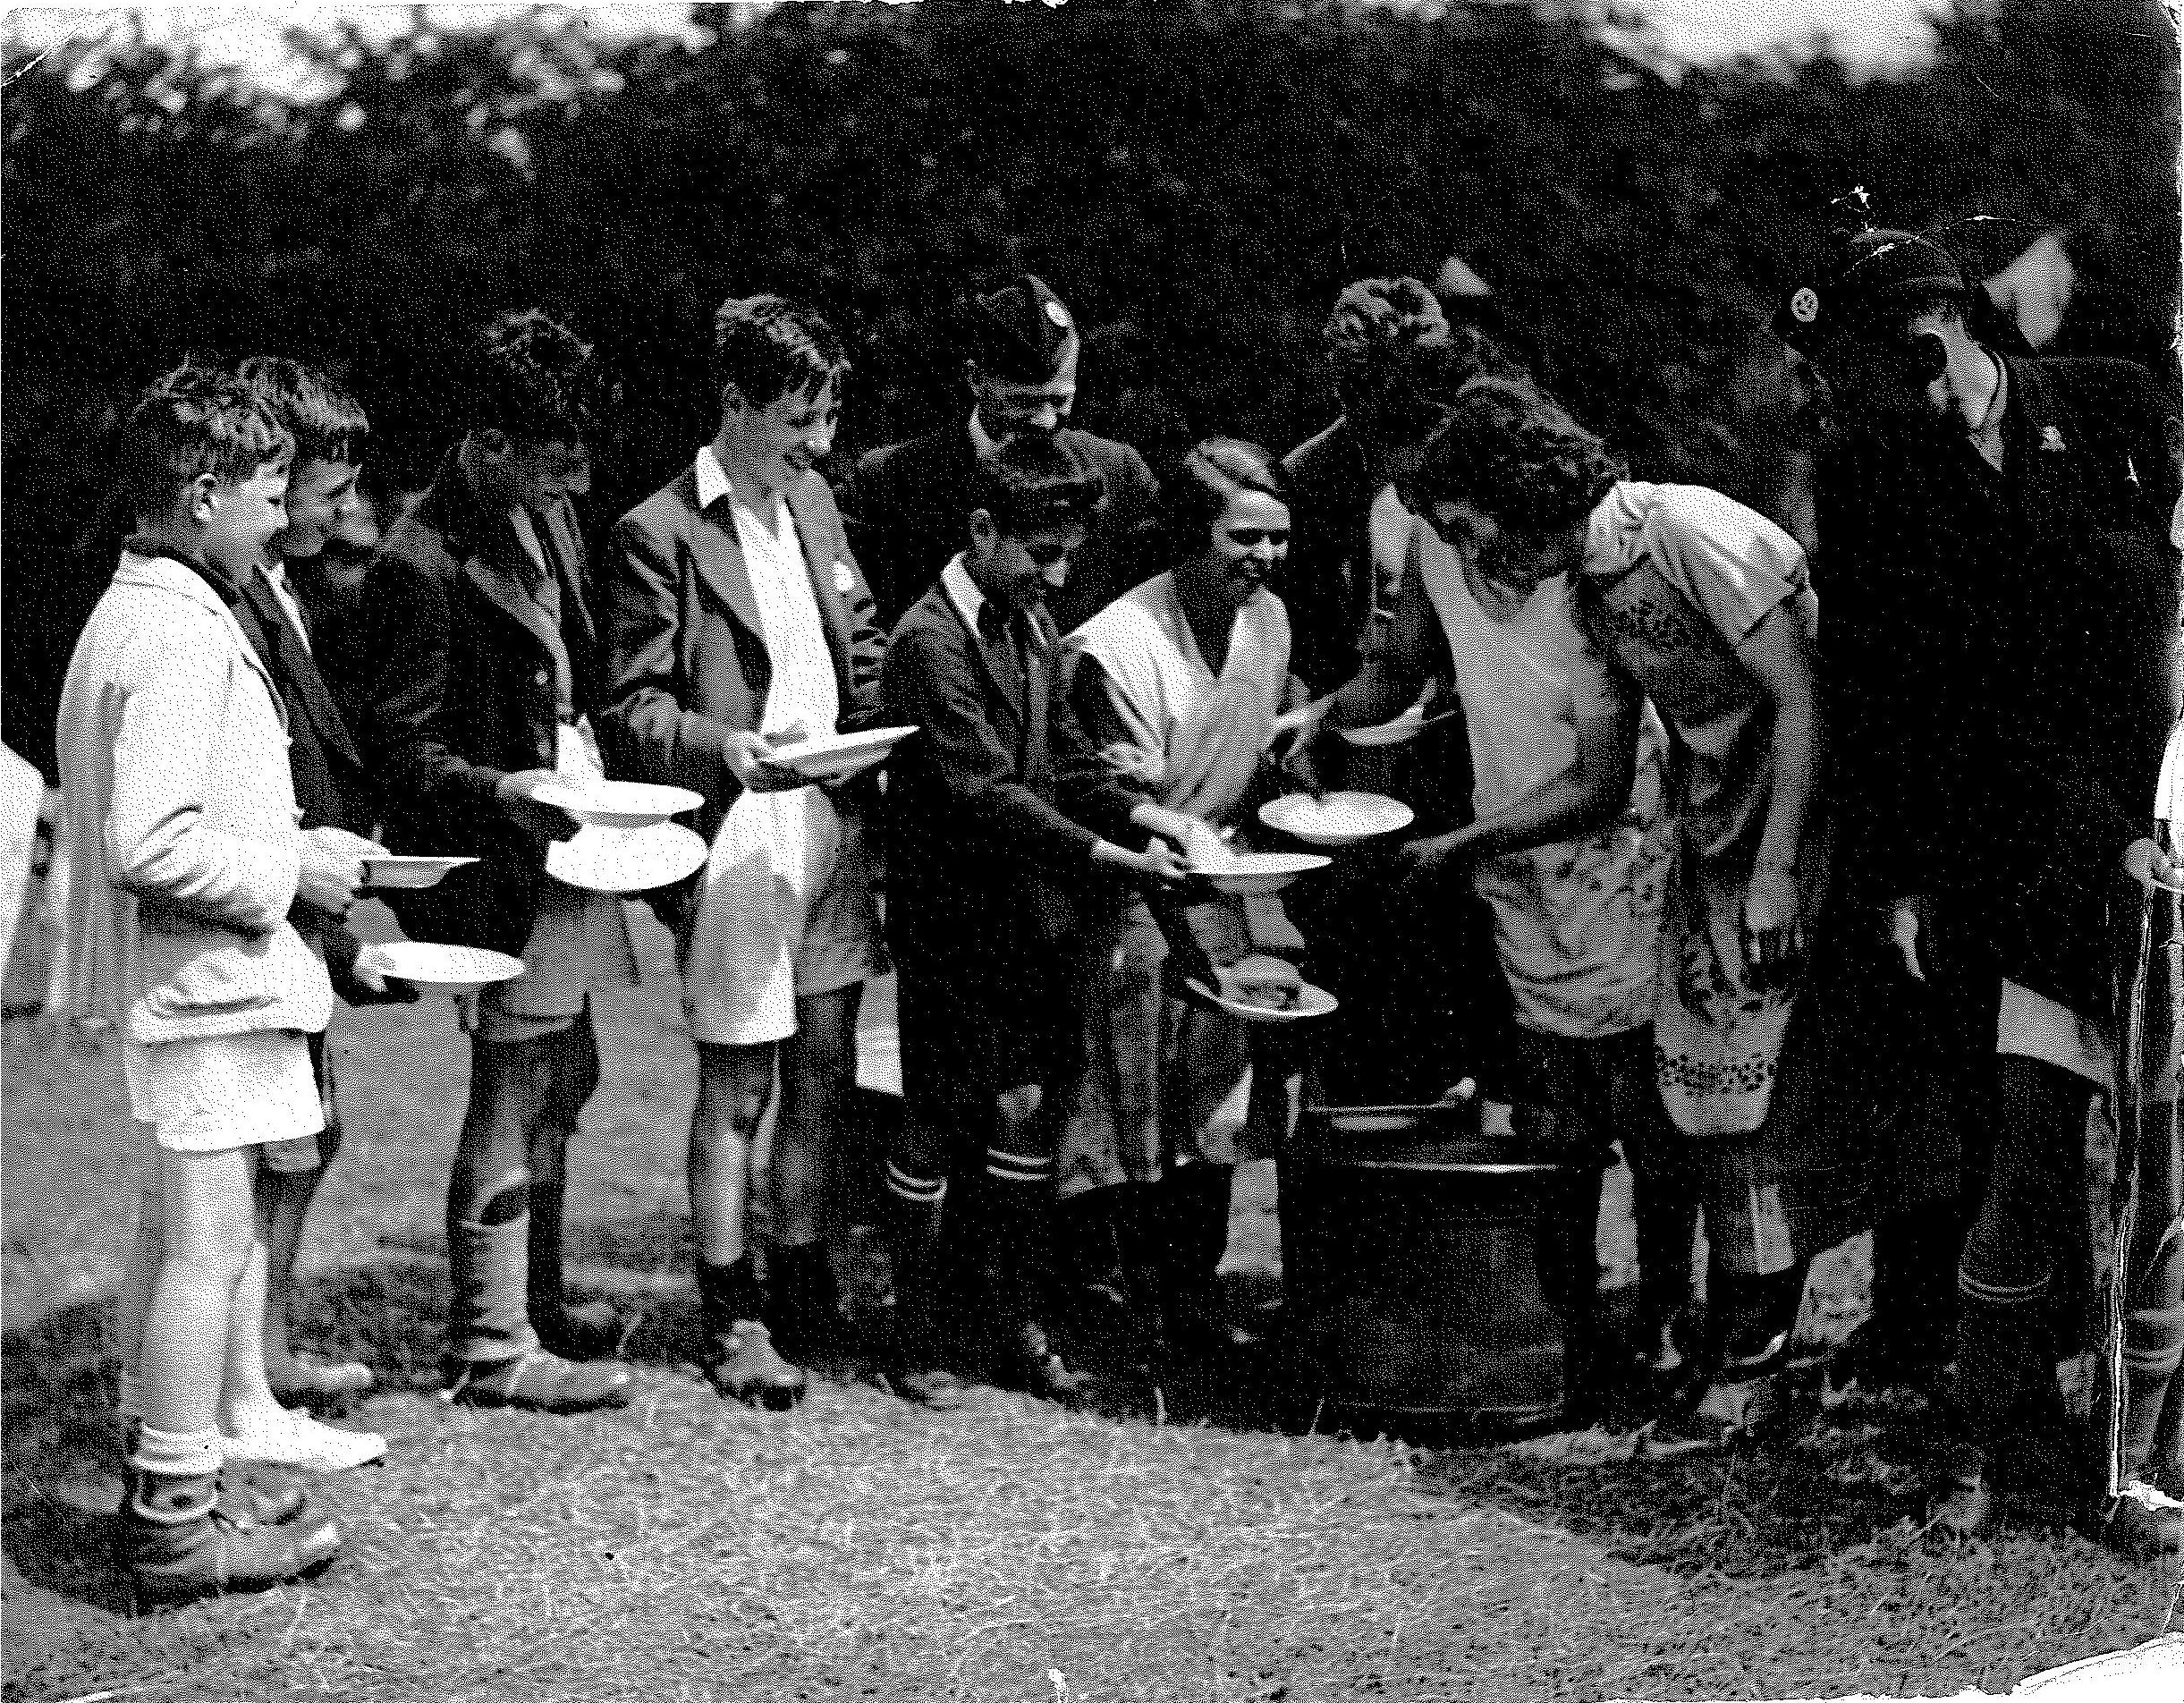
x=1058 y=314
x=2050 y=439
x=845 y=581
x=1805 y=305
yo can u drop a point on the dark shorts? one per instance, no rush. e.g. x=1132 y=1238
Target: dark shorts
x=968 y=1034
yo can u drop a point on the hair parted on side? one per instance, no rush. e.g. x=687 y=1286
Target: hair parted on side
x=536 y=381
x=768 y=346
x=1512 y=454
x=1215 y=470
x=1031 y=484
x=187 y=423
x=1375 y=326
x=327 y=423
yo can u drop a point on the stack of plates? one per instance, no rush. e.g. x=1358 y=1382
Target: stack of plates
x=607 y=859
x=618 y=804
x=1340 y=818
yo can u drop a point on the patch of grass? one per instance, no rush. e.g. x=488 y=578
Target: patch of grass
x=688 y=1548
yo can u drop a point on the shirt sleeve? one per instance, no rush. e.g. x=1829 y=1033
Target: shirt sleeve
x=1733 y=564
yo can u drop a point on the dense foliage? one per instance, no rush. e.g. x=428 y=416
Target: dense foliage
x=1197 y=177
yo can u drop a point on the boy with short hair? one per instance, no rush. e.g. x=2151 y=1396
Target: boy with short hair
x=736 y=618
x=329 y=428
x=984 y=875
x=484 y=675
x=175 y=774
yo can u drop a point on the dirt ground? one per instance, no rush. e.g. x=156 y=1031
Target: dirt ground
x=1205 y=1542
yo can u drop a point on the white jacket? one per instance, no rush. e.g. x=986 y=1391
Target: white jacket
x=183 y=819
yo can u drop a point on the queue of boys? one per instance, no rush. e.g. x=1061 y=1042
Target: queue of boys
x=1836 y=894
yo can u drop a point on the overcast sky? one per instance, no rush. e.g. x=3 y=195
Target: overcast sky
x=1867 y=33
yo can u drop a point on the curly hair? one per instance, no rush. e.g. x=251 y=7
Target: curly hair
x=325 y=420
x=767 y=346
x=1376 y=326
x=1032 y=483
x=1512 y=454
x=1215 y=470
x=536 y=382
x=194 y=420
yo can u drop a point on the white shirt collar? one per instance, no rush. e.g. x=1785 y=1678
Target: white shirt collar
x=982 y=444
x=712 y=479
x=963 y=592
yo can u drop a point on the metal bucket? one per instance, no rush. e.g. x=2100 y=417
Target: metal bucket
x=1410 y=1255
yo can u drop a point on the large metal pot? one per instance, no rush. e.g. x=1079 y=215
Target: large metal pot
x=1410 y=1255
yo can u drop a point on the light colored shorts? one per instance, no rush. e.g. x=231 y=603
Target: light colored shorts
x=220 y=1092
x=779 y=920
x=578 y=946
x=301 y=1155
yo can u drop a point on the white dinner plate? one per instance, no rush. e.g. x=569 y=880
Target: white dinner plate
x=1311 y=1002
x=382 y=873
x=828 y=757
x=1340 y=818
x=603 y=859
x=446 y=969
x=1259 y=871
x=618 y=804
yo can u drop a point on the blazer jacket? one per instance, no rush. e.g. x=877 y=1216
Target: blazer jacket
x=982 y=866
x=462 y=693
x=906 y=506
x=174 y=761
x=686 y=658
x=1999 y=652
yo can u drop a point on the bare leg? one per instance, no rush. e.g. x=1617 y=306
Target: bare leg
x=735 y=1085
x=209 y=1230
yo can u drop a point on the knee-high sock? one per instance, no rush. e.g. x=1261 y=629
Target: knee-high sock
x=2002 y=1355
x=917 y=1213
x=1020 y=1192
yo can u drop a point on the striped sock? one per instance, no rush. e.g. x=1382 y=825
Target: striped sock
x=1005 y=1166
x=919 y=1191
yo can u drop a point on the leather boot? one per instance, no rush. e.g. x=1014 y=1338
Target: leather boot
x=1017 y=1279
x=739 y=1356
x=1092 y=1280
x=180 y=1544
x=910 y=1357
x=805 y=1315
x=576 y=1330
x=246 y=1505
x=1195 y=1202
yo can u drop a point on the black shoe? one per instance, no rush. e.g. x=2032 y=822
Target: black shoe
x=1026 y=1361
x=743 y=1367
x=578 y=1330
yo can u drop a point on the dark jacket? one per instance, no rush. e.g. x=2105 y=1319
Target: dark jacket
x=686 y=659
x=1999 y=651
x=983 y=868
x=322 y=761
x=463 y=693
x=906 y=506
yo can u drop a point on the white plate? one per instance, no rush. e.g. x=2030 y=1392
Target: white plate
x=1341 y=818
x=381 y=873
x=1403 y=729
x=618 y=804
x=447 y=969
x=1311 y=1002
x=603 y=859
x=1260 y=871
x=829 y=756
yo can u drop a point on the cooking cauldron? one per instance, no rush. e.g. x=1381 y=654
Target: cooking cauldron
x=1410 y=1257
